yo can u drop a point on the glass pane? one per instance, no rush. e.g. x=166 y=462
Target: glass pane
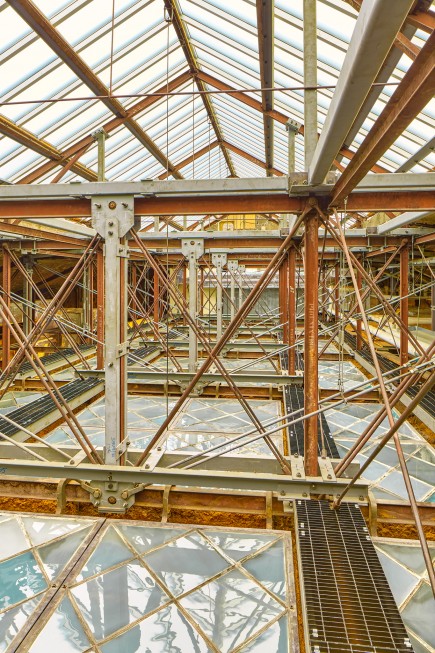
x=12 y=538
x=400 y=580
x=227 y=609
x=56 y=555
x=43 y=530
x=268 y=569
x=419 y=614
x=21 y=578
x=118 y=598
x=144 y=538
x=63 y=632
x=108 y=553
x=185 y=563
x=13 y=620
x=166 y=631
x=237 y=545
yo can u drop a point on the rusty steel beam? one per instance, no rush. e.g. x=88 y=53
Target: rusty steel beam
x=292 y=311
x=253 y=159
x=43 y=147
x=53 y=38
x=410 y=97
x=109 y=126
x=311 y=325
x=175 y=16
x=192 y=157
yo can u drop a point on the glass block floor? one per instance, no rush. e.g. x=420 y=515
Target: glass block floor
x=143 y=587
x=202 y=423
x=404 y=567
x=384 y=475
x=329 y=373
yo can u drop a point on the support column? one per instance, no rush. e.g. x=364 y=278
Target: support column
x=292 y=311
x=232 y=267
x=359 y=338
x=86 y=300
x=404 y=303
x=27 y=295
x=283 y=298
x=100 y=310
x=113 y=217
x=311 y=382
x=201 y=291
x=184 y=289
x=193 y=249
x=310 y=79
x=337 y=292
x=219 y=259
x=156 y=306
x=241 y=270
x=292 y=128
x=6 y=284
x=100 y=136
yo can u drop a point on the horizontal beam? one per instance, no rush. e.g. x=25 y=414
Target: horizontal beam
x=204 y=478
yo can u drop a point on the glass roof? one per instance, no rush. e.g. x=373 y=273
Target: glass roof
x=137 y=51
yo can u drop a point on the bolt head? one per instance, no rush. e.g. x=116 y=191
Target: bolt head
x=112 y=500
x=110 y=223
x=361 y=498
x=110 y=233
x=112 y=205
x=304 y=494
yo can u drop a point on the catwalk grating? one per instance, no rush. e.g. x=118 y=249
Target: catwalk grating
x=141 y=352
x=294 y=400
x=283 y=359
x=36 y=410
x=348 y=602
x=55 y=357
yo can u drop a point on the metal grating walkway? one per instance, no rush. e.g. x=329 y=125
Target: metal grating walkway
x=55 y=357
x=36 y=410
x=293 y=400
x=348 y=602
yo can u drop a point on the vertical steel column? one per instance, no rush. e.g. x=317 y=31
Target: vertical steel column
x=359 y=338
x=232 y=267
x=100 y=136
x=201 y=291
x=113 y=217
x=134 y=304
x=337 y=292
x=184 y=288
x=283 y=299
x=6 y=285
x=27 y=296
x=310 y=79
x=292 y=310
x=311 y=323
x=241 y=270
x=193 y=249
x=404 y=303
x=292 y=128
x=219 y=259
x=86 y=299
x=156 y=306
x=100 y=309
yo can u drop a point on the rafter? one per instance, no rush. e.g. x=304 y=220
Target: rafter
x=56 y=156
x=191 y=58
x=109 y=126
x=196 y=155
x=42 y=26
